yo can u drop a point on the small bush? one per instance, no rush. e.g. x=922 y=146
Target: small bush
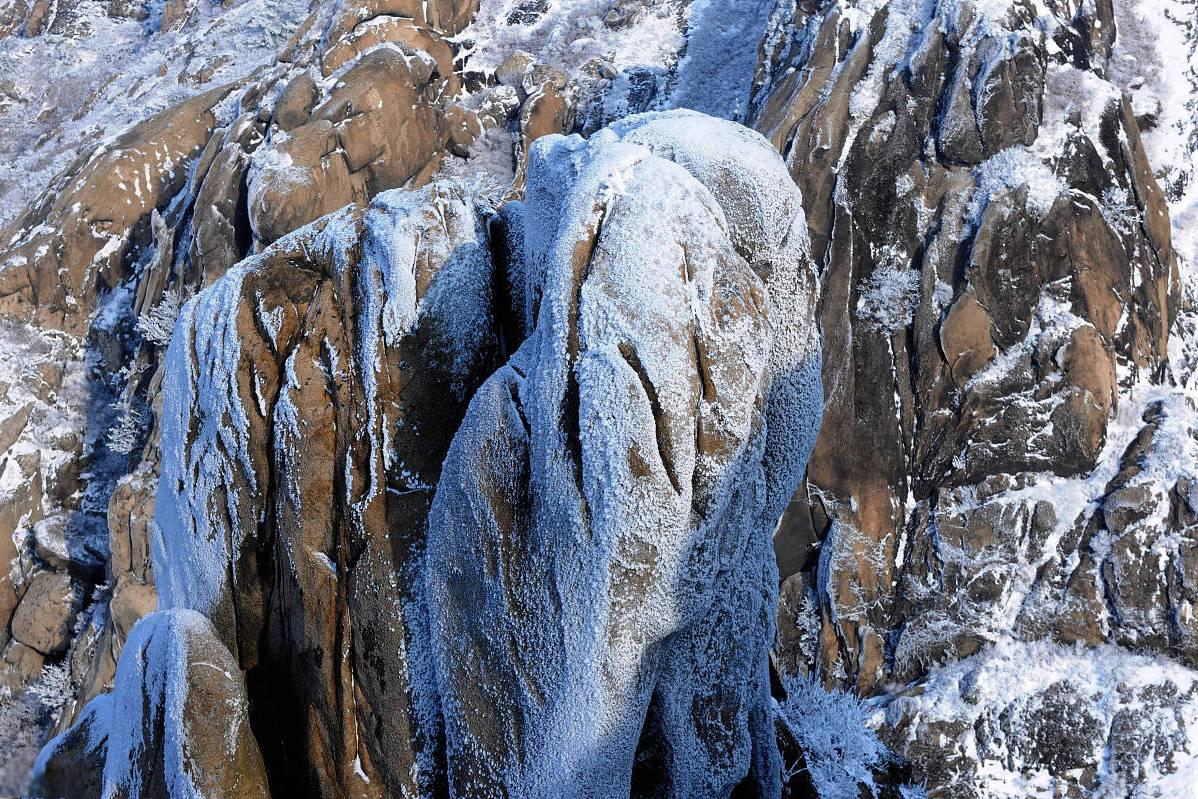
x=124 y=436
x=25 y=722
x=157 y=324
x=841 y=752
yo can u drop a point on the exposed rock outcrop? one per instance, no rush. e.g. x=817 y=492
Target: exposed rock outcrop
x=310 y=397
x=999 y=288
x=599 y=555
x=984 y=286
x=1003 y=484
x=111 y=249
x=176 y=724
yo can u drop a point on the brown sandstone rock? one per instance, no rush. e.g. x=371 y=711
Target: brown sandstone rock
x=359 y=341
x=377 y=130
x=43 y=620
x=973 y=317
x=73 y=243
x=21 y=665
x=177 y=723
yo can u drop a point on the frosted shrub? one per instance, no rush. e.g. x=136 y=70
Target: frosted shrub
x=25 y=721
x=123 y=436
x=888 y=299
x=841 y=752
x=157 y=324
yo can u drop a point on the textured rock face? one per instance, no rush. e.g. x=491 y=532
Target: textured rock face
x=176 y=725
x=92 y=274
x=58 y=258
x=993 y=257
x=1067 y=722
x=599 y=559
x=376 y=130
x=311 y=395
x=999 y=287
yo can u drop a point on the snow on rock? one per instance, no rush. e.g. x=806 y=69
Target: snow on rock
x=997 y=270
x=717 y=65
x=176 y=724
x=1041 y=720
x=310 y=397
x=91 y=74
x=71 y=246
x=599 y=554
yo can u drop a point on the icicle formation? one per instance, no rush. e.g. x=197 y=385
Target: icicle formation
x=600 y=555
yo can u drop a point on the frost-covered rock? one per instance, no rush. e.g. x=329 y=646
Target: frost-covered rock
x=1042 y=720
x=599 y=554
x=378 y=128
x=983 y=300
x=177 y=724
x=310 y=397
x=138 y=217
x=65 y=250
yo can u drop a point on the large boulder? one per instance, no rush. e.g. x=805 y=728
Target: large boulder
x=44 y=619
x=311 y=394
x=599 y=558
x=176 y=725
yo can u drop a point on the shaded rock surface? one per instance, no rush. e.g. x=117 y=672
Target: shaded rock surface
x=995 y=266
x=344 y=356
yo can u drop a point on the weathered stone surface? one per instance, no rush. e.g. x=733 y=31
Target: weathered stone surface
x=45 y=616
x=73 y=244
x=176 y=724
x=377 y=130
x=631 y=425
x=1072 y=723
x=54 y=544
x=21 y=664
x=220 y=225
x=356 y=344
x=73 y=763
x=977 y=309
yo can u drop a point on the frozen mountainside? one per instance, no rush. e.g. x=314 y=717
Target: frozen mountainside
x=474 y=433
x=622 y=473
x=1155 y=60
x=92 y=68
x=1007 y=722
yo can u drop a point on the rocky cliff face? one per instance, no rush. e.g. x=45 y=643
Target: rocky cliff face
x=471 y=445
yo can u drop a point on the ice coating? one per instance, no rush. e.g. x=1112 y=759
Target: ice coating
x=599 y=545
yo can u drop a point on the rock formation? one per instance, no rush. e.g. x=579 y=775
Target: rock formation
x=310 y=398
x=311 y=395
x=176 y=724
x=470 y=449
x=599 y=555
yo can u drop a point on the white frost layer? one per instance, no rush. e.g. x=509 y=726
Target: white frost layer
x=715 y=73
x=586 y=553
x=1155 y=60
x=1005 y=676
x=118 y=72
x=569 y=33
x=209 y=500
